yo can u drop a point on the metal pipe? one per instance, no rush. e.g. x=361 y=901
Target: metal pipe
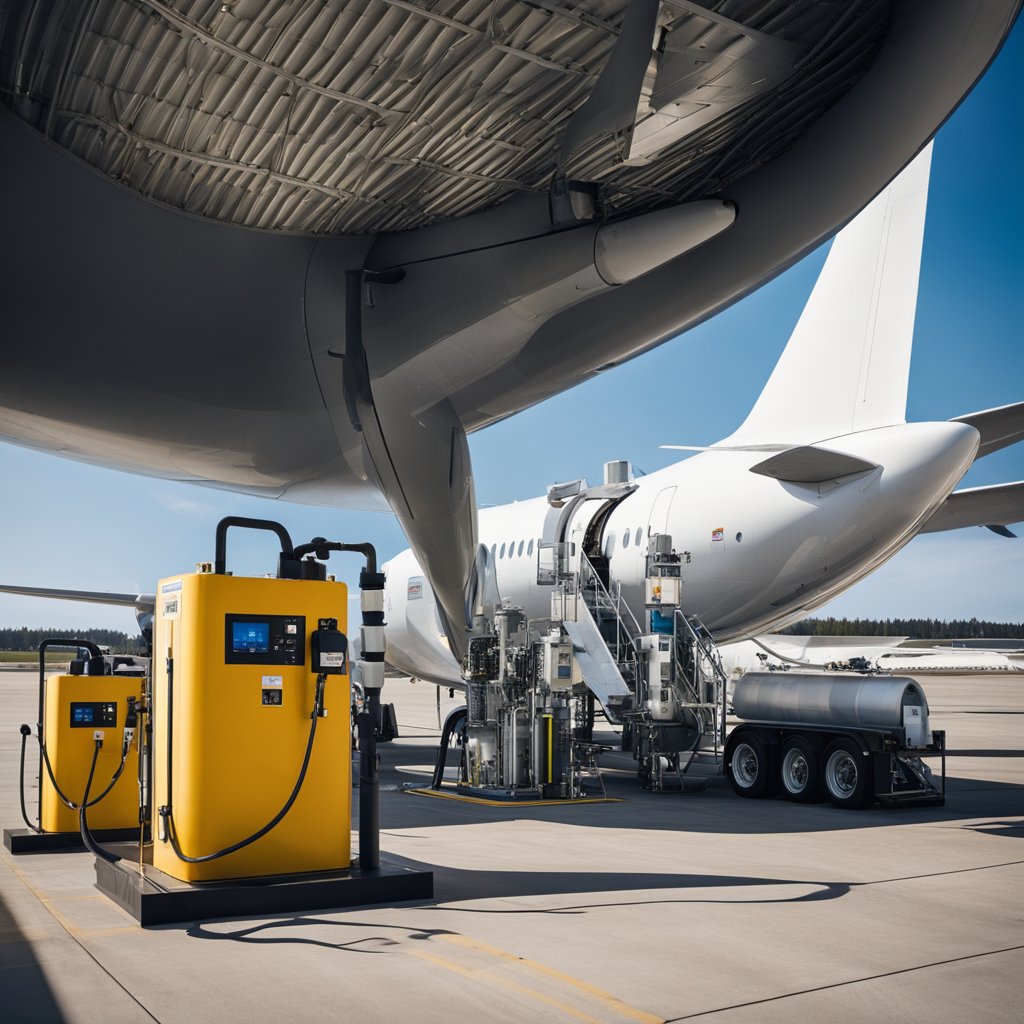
x=371 y=660
x=220 y=554
x=514 y=720
x=369 y=784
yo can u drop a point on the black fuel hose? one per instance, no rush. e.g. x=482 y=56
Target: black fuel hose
x=90 y=844
x=318 y=710
x=95 y=800
x=25 y=733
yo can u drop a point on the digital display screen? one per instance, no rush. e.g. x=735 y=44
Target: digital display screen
x=250 y=637
x=83 y=714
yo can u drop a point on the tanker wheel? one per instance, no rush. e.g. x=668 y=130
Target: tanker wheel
x=799 y=771
x=746 y=766
x=844 y=774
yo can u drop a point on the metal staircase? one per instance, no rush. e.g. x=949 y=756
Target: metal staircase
x=608 y=643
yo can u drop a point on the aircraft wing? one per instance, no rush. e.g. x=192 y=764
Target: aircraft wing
x=197 y=190
x=997 y=505
x=144 y=602
x=301 y=250
x=998 y=427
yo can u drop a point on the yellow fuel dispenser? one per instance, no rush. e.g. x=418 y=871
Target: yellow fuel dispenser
x=247 y=723
x=88 y=755
x=244 y=776
x=78 y=728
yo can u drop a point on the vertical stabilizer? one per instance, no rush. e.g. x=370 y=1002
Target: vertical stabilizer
x=847 y=363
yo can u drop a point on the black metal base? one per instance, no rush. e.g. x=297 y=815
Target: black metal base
x=23 y=840
x=157 y=898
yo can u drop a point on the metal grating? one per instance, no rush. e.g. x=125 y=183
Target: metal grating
x=355 y=116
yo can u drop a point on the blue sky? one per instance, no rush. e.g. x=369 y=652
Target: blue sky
x=69 y=525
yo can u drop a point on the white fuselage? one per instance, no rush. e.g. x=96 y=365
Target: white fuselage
x=762 y=551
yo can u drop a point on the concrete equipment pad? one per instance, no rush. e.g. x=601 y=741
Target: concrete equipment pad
x=656 y=908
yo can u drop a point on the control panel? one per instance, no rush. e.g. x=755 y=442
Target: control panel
x=93 y=714
x=264 y=639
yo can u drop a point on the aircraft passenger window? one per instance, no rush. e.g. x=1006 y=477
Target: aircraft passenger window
x=529 y=547
x=502 y=555
x=520 y=551
x=625 y=539
x=639 y=535
x=494 y=548
x=609 y=545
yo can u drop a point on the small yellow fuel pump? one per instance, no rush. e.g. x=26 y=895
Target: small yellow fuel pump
x=81 y=710
x=88 y=754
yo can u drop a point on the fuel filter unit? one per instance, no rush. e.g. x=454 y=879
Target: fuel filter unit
x=237 y=778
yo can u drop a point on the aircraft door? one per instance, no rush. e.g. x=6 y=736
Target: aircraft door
x=658 y=520
x=577 y=534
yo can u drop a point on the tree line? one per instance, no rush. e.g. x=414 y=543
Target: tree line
x=918 y=629
x=25 y=639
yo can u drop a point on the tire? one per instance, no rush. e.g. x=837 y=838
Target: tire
x=799 y=771
x=746 y=765
x=844 y=774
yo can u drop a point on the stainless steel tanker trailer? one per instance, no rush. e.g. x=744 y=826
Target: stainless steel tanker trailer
x=850 y=739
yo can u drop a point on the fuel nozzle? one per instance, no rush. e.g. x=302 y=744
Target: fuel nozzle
x=329 y=647
x=131 y=723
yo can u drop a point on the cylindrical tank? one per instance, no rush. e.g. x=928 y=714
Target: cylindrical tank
x=617 y=472
x=870 y=702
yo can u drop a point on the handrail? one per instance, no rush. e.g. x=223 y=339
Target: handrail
x=627 y=629
x=710 y=654
x=615 y=602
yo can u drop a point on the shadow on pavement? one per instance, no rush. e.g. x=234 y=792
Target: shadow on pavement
x=455 y=885
x=26 y=994
x=714 y=810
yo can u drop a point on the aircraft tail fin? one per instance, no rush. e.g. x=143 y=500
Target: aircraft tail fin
x=847 y=363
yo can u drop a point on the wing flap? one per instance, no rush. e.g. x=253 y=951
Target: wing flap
x=997 y=505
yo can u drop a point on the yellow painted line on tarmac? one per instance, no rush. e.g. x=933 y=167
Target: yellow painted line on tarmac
x=610 y=1001
x=441 y=794
x=61 y=919
x=513 y=986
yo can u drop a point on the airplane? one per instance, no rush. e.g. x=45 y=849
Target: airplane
x=301 y=250
x=822 y=483
x=898 y=654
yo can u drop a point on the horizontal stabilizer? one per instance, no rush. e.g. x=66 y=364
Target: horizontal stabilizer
x=808 y=464
x=997 y=505
x=998 y=427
